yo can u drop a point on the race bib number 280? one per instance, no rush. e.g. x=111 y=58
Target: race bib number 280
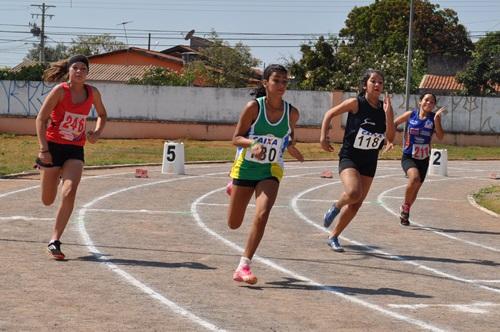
x=271 y=149
x=366 y=140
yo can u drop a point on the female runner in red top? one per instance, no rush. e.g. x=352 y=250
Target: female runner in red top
x=60 y=127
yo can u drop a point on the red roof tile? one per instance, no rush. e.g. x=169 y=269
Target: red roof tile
x=116 y=73
x=437 y=82
x=443 y=83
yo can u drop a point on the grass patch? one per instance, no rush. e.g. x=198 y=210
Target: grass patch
x=17 y=153
x=489 y=198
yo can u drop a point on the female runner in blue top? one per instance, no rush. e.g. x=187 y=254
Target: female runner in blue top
x=421 y=123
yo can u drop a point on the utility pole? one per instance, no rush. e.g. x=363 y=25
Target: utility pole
x=408 y=64
x=43 y=7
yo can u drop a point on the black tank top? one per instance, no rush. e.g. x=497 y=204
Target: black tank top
x=368 y=118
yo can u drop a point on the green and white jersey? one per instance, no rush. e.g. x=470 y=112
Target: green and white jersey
x=274 y=138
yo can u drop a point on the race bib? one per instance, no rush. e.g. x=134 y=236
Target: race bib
x=271 y=147
x=72 y=126
x=366 y=140
x=420 y=151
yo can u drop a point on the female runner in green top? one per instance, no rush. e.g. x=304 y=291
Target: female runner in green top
x=264 y=131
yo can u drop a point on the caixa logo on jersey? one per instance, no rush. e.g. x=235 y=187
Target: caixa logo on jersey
x=429 y=124
x=266 y=140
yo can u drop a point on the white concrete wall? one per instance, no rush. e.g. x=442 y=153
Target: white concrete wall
x=218 y=105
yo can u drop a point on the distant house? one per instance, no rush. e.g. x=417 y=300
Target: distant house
x=112 y=73
x=440 y=85
x=121 y=65
x=138 y=56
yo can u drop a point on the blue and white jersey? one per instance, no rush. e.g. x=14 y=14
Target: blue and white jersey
x=418 y=135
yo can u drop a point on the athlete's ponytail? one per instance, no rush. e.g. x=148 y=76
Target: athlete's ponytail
x=58 y=71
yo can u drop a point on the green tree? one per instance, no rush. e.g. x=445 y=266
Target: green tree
x=163 y=76
x=375 y=36
x=482 y=73
x=28 y=73
x=92 y=45
x=317 y=66
x=52 y=54
x=227 y=66
x=383 y=27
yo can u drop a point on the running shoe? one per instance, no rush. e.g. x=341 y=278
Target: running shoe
x=404 y=216
x=54 y=250
x=330 y=215
x=244 y=274
x=333 y=242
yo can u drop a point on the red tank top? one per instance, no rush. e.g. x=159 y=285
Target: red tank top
x=68 y=120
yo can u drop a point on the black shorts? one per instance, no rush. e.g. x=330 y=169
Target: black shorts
x=408 y=162
x=62 y=152
x=251 y=183
x=364 y=167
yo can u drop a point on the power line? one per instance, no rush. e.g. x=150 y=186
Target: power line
x=43 y=7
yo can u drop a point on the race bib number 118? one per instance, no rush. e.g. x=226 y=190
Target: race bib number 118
x=366 y=140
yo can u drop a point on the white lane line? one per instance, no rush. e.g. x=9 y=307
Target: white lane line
x=474 y=308
x=177 y=309
x=427 y=199
x=18 y=191
x=331 y=201
x=473 y=202
x=380 y=199
x=251 y=205
x=25 y=218
x=334 y=290
x=487 y=281
x=381 y=252
x=141 y=211
x=38 y=186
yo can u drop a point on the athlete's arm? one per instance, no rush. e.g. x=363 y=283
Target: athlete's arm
x=438 y=128
x=390 y=130
x=402 y=118
x=292 y=150
x=54 y=97
x=247 y=117
x=348 y=105
x=102 y=116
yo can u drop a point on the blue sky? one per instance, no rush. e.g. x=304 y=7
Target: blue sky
x=273 y=29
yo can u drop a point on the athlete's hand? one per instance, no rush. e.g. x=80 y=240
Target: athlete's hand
x=387 y=102
x=294 y=152
x=92 y=136
x=257 y=151
x=325 y=144
x=439 y=112
x=45 y=157
x=388 y=147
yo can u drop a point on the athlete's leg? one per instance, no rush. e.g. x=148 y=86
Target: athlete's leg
x=240 y=197
x=71 y=175
x=351 y=179
x=266 y=192
x=359 y=186
x=413 y=186
x=49 y=181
